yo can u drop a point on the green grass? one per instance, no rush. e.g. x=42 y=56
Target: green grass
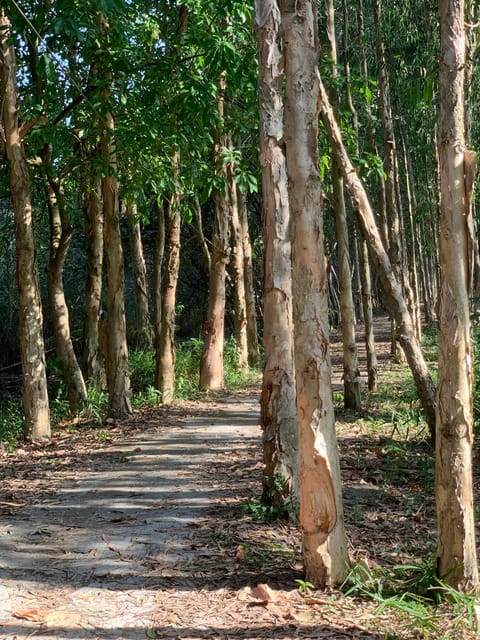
x=144 y=394
x=424 y=604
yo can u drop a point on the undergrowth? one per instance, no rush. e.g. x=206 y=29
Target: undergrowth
x=142 y=379
x=425 y=604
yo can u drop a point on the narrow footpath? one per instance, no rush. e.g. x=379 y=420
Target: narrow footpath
x=150 y=529
x=89 y=554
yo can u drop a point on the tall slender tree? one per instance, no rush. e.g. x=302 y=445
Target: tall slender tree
x=391 y=288
x=35 y=395
x=321 y=509
x=278 y=408
x=351 y=371
x=118 y=377
x=456 y=555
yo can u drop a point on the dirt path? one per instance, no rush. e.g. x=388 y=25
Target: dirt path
x=94 y=549
x=139 y=531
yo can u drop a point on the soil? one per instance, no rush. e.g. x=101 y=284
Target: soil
x=144 y=529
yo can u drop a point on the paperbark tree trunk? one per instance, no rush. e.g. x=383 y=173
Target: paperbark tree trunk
x=351 y=371
x=34 y=379
x=456 y=553
x=251 y=307
x=118 y=377
x=324 y=543
x=165 y=374
x=61 y=232
x=157 y=271
x=61 y=236
x=143 y=334
x=93 y=357
x=412 y=206
x=211 y=365
x=363 y=261
x=238 y=263
x=395 y=243
x=391 y=289
x=278 y=402
x=372 y=365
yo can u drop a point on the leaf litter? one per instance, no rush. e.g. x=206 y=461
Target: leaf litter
x=233 y=577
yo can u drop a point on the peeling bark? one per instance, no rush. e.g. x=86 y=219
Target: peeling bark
x=456 y=552
x=321 y=510
x=34 y=379
x=278 y=403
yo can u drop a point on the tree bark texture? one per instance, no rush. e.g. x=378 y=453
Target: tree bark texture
x=391 y=289
x=250 y=298
x=456 y=553
x=157 y=271
x=34 y=379
x=143 y=334
x=166 y=344
x=238 y=270
x=278 y=401
x=93 y=356
x=211 y=365
x=118 y=377
x=321 y=510
x=351 y=371
x=61 y=236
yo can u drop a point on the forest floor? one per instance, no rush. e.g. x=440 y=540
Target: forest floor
x=147 y=529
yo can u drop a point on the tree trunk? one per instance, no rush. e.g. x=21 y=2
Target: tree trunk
x=251 y=308
x=412 y=206
x=165 y=374
x=201 y=236
x=321 y=511
x=61 y=232
x=372 y=366
x=61 y=235
x=456 y=553
x=351 y=371
x=93 y=356
x=360 y=244
x=391 y=289
x=238 y=263
x=381 y=204
x=211 y=365
x=278 y=403
x=143 y=337
x=35 y=394
x=157 y=271
x=118 y=377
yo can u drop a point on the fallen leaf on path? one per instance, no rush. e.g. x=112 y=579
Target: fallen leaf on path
x=34 y=615
x=63 y=618
x=263 y=592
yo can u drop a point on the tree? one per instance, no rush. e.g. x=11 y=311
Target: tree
x=391 y=289
x=278 y=409
x=35 y=395
x=351 y=371
x=321 y=510
x=143 y=333
x=211 y=364
x=456 y=554
x=165 y=374
x=118 y=377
